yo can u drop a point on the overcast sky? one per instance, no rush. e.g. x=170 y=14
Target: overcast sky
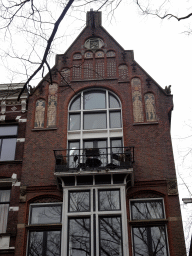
x=164 y=51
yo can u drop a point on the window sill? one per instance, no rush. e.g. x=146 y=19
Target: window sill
x=43 y=129
x=146 y=123
x=11 y=162
x=123 y=81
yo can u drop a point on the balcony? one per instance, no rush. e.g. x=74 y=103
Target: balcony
x=93 y=159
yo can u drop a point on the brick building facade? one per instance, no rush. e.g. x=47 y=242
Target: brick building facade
x=98 y=175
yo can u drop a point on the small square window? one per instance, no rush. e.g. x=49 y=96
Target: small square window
x=79 y=201
x=109 y=200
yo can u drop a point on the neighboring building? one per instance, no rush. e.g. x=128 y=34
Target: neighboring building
x=13 y=119
x=98 y=175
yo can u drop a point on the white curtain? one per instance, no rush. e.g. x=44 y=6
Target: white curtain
x=4 y=209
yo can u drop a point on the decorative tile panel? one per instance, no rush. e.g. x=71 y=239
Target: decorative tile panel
x=150 y=107
x=111 y=68
x=52 y=105
x=137 y=100
x=123 y=72
x=99 y=54
x=88 y=55
x=77 y=56
x=110 y=54
x=39 y=114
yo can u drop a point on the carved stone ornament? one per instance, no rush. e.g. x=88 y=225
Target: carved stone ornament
x=94 y=43
x=172 y=187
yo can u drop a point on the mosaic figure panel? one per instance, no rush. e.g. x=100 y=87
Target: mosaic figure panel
x=77 y=56
x=88 y=69
x=150 y=107
x=99 y=54
x=110 y=54
x=88 y=55
x=52 y=105
x=99 y=68
x=39 y=114
x=77 y=70
x=111 y=68
x=137 y=100
x=65 y=75
x=123 y=72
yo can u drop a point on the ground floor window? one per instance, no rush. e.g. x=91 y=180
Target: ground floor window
x=44 y=238
x=149 y=238
x=4 y=208
x=96 y=220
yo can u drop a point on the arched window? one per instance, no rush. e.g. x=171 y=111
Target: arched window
x=95 y=123
x=94 y=110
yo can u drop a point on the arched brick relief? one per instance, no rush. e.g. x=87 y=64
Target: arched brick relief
x=150 y=109
x=111 y=54
x=146 y=194
x=88 y=55
x=39 y=114
x=52 y=105
x=77 y=56
x=123 y=72
x=99 y=54
x=65 y=76
x=137 y=100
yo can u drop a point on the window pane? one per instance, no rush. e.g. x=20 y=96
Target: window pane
x=76 y=104
x=35 y=244
x=109 y=200
x=113 y=102
x=73 y=154
x=110 y=236
x=53 y=243
x=8 y=130
x=45 y=214
x=8 y=149
x=115 y=119
x=94 y=100
x=95 y=121
x=4 y=196
x=74 y=122
x=149 y=241
x=79 y=201
x=79 y=237
x=147 y=210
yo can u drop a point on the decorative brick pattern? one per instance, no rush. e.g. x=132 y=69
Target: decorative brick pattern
x=65 y=76
x=150 y=107
x=100 y=69
x=52 y=105
x=39 y=114
x=123 y=72
x=99 y=54
x=111 y=68
x=137 y=100
x=88 y=69
x=77 y=66
x=88 y=55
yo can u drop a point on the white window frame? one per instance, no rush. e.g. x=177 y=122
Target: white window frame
x=122 y=212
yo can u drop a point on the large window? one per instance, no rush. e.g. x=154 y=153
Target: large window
x=95 y=219
x=45 y=230
x=95 y=110
x=7 y=142
x=4 y=209
x=149 y=238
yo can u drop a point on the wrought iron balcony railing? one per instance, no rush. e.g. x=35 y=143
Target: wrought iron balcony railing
x=93 y=158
